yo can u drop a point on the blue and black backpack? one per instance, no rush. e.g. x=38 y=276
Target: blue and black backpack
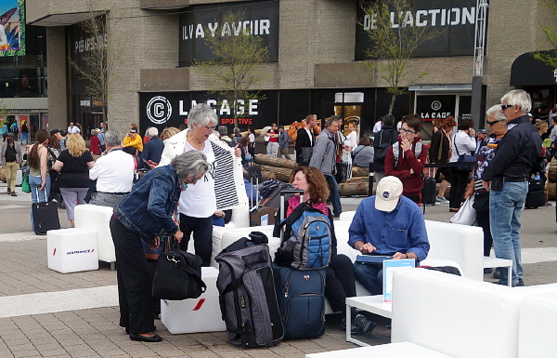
x=307 y=239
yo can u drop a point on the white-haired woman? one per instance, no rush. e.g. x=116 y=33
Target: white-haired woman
x=143 y=215
x=220 y=189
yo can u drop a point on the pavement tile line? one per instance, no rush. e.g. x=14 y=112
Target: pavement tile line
x=60 y=301
x=21 y=236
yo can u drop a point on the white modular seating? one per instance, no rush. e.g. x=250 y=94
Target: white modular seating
x=537 y=328
x=455 y=245
x=462 y=317
x=97 y=217
x=195 y=315
x=72 y=250
x=460 y=246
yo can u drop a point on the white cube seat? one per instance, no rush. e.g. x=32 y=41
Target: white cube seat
x=195 y=315
x=97 y=217
x=72 y=250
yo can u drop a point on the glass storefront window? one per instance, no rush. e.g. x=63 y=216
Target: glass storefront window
x=25 y=76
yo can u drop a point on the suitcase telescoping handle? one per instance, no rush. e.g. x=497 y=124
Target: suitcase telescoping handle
x=283 y=194
x=38 y=197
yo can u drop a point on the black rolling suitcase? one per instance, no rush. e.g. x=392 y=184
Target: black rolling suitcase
x=45 y=217
x=429 y=190
x=536 y=194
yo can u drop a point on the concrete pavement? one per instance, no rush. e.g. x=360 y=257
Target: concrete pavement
x=47 y=314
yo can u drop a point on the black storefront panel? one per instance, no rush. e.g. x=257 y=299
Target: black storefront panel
x=259 y=18
x=166 y=109
x=454 y=20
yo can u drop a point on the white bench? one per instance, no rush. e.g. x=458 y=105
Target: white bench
x=459 y=316
x=537 y=329
x=97 y=217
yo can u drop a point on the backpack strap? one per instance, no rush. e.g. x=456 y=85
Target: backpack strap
x=417 y=151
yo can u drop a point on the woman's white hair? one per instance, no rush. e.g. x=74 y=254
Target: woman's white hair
x=496 y=111
x=202 y=115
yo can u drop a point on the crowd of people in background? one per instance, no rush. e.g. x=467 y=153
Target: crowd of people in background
x=194 y=172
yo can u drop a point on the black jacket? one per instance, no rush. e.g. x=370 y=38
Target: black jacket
x=303 y=141
x=516 y=152
x=439 y=149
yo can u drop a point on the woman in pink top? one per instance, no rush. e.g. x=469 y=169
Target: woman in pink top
x=340 y=281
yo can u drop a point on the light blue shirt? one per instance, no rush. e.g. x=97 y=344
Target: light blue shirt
x=401 y=230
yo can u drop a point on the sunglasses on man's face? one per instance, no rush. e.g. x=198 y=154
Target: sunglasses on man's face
x=492 y=122
x=505 y=106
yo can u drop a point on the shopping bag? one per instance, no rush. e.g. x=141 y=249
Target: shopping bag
x=178 y=274
x=25 y=187
x=466 y=214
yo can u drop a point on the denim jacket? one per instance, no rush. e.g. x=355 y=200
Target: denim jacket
x=148 y=209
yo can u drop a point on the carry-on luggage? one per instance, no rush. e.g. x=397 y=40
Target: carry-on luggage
x=300 y=293
x=536 y=194
x=429 y=191
x=301 y=298
x=45 y=216
x=247 y=295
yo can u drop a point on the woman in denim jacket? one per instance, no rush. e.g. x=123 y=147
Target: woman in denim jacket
x=145 y=214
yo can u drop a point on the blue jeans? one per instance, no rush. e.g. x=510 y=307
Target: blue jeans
x=35 y=184
x=505 y=207
x=334 y=196
x=24 y=135
x=370 y=276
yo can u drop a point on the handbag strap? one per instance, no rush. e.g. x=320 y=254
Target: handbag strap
x=171 y=244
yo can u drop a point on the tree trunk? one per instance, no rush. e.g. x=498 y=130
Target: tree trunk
x=348 y=189
x=360 y=172
x=392 y=105
x=274 y=161
x=282 y=174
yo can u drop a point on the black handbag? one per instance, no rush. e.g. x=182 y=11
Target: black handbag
x=467 y=161
x=481 y=202
x=178 y=274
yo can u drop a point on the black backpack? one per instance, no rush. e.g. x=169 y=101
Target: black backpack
x=385 y=138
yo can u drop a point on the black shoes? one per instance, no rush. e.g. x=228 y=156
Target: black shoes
x=361 y=325
x=139 y=338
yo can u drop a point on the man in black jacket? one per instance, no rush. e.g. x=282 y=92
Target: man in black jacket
x=305 y=139
x=381 y=142
x=507 y=179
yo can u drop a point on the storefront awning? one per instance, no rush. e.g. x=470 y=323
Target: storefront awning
x=528 y=71
x=450 y=87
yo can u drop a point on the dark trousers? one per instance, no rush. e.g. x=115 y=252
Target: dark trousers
x=334 y=195
x=482 y=218
x=340 y=282
x=459 y=181
x=134 y=286
x=202 y=229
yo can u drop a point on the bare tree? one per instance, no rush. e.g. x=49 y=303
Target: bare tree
x=237 y=67
x=395 y=39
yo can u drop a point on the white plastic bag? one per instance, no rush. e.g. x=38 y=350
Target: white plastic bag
x=467 y=214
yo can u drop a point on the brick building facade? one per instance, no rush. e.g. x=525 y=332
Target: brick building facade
x=316 y=68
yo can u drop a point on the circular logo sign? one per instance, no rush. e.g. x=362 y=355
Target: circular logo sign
x=386 y=194
x=159 y=110
x=436 y=105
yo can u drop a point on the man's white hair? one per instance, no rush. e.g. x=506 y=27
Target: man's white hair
x=519 y=98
